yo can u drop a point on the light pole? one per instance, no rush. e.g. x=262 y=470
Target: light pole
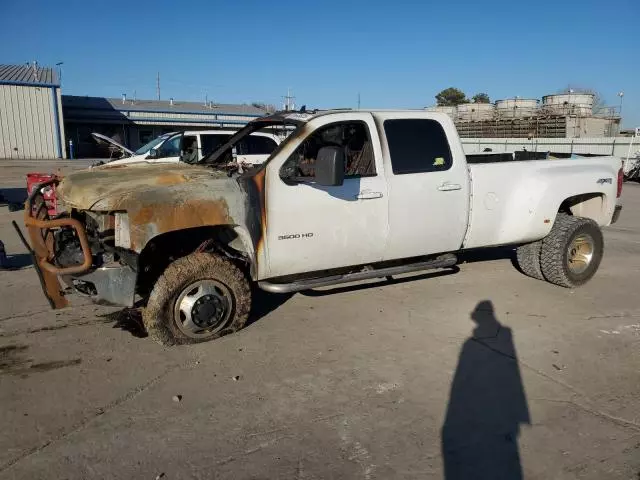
x=59 y=65
x=621 y=95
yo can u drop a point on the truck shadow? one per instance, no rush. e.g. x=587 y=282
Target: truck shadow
x=128 y=319
x=489 y=254
x=17 y=261
x=13 y=198
x=264 y=303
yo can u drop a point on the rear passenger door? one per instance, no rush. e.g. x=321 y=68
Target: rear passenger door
x=428 y=185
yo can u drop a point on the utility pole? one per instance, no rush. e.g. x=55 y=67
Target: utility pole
x=158 y=85
x=289 y=101
x=358 y=100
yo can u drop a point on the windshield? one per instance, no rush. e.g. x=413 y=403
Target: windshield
x=223 y=152
x=152 y=144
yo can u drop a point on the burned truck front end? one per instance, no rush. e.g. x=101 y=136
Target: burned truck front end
x=123 y=225
x=76 y=251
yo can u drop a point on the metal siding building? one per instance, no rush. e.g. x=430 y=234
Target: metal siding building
x=134 y=122
x=31 y=124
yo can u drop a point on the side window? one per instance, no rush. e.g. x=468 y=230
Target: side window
x=352 y=137
x=170 y=148
x=417 y=145
x=256 y=145
x=211 y=142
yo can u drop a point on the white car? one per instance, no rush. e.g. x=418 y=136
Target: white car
x=193 y=146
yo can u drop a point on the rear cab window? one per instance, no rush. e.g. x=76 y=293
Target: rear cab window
x=256 y=145
x=417 y=145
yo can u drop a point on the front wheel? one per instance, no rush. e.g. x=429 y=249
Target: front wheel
x=571 y=253
x=198 y=298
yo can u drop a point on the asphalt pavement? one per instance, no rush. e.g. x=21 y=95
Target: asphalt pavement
x=476 y=373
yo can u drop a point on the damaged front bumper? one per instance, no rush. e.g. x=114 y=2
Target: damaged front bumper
x=109 y=285
x=112 y=284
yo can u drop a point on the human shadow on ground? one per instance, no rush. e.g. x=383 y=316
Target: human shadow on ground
x=487 y=405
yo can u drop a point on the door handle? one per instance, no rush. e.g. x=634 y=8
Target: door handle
x=367 y=195
x=447 y=187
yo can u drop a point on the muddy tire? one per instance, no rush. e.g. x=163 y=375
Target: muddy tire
x=198 y=298
x=528 y=257
x=571 y=253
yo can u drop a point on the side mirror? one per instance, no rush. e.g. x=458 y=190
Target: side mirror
x=153 y=153
x=329 y=167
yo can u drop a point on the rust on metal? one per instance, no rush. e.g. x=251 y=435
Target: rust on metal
x=259 y=180
x=154 y=219
x=42 y=246
x=171 y=179
x=84 y=189
x=42 y=241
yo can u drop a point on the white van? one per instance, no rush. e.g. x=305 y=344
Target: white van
x=194 y=146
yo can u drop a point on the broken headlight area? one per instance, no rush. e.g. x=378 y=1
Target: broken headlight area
x=101 y=234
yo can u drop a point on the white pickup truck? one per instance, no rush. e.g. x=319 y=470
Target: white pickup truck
x=349 y=195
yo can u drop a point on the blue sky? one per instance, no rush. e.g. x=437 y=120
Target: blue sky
x=394 y=53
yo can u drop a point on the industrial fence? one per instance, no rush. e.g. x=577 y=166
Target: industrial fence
x=618 y=146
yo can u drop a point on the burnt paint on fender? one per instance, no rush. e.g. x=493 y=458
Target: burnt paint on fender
x=256 y=212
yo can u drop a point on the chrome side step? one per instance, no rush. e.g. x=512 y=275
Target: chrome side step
x=443 y=261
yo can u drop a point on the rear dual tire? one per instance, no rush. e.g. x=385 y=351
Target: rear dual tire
x=569 y=256
x=528 y=257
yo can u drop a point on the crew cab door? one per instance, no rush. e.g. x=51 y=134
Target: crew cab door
x=428 y=184
x=310 y=227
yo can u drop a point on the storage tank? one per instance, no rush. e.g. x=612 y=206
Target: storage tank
x=468 y=112
x=451 y=111
x=516 y=107
x=580 y=104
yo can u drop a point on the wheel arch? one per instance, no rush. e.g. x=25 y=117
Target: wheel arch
x=230 y=240
x=591 y=205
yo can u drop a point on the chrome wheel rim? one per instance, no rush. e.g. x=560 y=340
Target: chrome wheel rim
x=580 y=253
x=203 y=308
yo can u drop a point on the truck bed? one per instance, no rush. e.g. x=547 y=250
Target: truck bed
x=516 y=201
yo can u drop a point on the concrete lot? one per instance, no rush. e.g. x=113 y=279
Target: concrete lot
x=369 y=381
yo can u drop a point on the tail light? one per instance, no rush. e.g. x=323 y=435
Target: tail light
x=620 y=180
